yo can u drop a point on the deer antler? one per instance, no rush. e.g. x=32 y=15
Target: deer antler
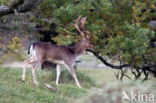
x=82 y=22
x=79 y=25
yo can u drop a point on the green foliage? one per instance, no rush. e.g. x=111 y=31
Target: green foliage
x=131 y=45
x=4 y=2
x=119 y=29
x=14 y=44
x=143 y=11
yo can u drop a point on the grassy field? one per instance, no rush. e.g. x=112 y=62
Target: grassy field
x=99 y=86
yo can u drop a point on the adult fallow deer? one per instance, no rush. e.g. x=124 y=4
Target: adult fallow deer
x=40 y=52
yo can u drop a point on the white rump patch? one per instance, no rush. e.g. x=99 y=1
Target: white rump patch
x=33 y=53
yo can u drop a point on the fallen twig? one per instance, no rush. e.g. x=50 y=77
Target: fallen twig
x=50 y=87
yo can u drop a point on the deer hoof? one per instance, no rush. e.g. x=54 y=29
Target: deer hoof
x=79 y=86
x=56 y=83
x=22 y=80
x=36 y=83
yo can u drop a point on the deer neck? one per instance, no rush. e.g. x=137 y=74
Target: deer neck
x=78 y=49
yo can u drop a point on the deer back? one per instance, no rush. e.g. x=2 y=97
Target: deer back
x=52 y=52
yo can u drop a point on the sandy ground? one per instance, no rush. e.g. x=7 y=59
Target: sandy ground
x=80 y=65
x=14 y=64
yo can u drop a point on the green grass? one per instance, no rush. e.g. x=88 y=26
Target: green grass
x=12 y=90
x=99 y=86
x=109 y=90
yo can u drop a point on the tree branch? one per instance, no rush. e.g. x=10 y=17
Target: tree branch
x=19 y=6
x=146 y=68
x=97 y=55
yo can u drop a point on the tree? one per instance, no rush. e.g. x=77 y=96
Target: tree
x=119 y=29
x=11 y=41
x=18 y=6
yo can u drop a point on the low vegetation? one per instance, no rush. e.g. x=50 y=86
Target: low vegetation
x=98 y=86
x=13 y=90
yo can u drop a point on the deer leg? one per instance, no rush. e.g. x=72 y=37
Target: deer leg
x=24 y=71
x=34 y=77
x=35 y=66
x=72 y=72
x=58 y=70
x=25 y=64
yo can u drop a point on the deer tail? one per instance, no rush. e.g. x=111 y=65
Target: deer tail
x=30 y=48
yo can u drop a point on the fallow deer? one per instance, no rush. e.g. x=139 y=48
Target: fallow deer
x=60 y=54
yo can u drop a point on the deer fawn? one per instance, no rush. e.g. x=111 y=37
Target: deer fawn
x=60 y=54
